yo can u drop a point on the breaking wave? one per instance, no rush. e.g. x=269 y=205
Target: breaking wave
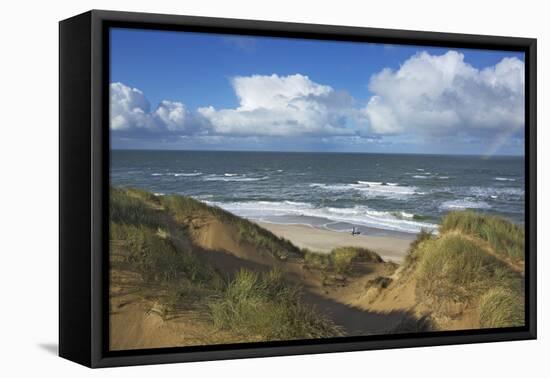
x=358 y=215
x=371 y=189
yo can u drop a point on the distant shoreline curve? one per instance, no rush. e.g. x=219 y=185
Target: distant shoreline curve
x=390 y=248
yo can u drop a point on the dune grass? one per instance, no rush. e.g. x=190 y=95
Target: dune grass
x=316 y=260
x=458 y=268
x=143 y=239
x=153 y=254
x=343 y=258
x=500 y=308
x=413 y=252
x=461 y=268
x=265 y=307
x=125 y=208
x=143 y=195
x=184 y=208
x=252 y=306
x=455 y=268
x=506 y=238
x=340 y=260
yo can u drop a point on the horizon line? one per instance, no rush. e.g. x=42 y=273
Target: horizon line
x=320 y=152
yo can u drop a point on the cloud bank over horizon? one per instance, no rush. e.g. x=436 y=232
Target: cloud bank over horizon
x=429 y=97
x=442 y=95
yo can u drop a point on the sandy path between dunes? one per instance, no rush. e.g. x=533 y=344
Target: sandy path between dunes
x=319 y=240
x=135 y=324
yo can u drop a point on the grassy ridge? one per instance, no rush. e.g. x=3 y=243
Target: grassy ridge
x=507 y=239
x=185 y=208
x=466 y=266
x=130 y=207
x=455 y=267
x=249 y=305
x=155 y=257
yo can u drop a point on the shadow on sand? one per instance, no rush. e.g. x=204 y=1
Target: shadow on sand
x=354 y=321
x=359 y=322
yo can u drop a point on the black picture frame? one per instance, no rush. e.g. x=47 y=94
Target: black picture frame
x=84 y=187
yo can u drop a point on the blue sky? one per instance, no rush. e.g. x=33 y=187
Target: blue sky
x=179 y=90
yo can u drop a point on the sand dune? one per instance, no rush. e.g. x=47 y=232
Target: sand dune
x=191 y=255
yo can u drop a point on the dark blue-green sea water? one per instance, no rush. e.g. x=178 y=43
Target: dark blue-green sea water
x=382 y=192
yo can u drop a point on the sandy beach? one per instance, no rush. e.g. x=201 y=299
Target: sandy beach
x=320 y=240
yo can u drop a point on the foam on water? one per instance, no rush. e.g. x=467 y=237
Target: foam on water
x=180 y=174
x=380 y=191
x=371 y=189
x=357 y=215
x=187 y=174
x=233 y=178
x=465 y=203
x=480 y=191
x=369 y=183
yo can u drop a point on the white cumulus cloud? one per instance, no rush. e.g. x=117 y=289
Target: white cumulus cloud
x=439 y=96
x=129 y=108
x=131 y=111
x=444 y=95
x=173 y=115
x=282 y=106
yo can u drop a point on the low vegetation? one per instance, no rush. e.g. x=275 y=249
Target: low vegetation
x=154 y=256
x=340 y=260
x=455 y=268
x=266 y=306
x=413 y=252
x=471 y=266
x=127 y=207
x=506 y=238
x=184 y=208
x=466 y=267
x=248 y=305
x=501 y=307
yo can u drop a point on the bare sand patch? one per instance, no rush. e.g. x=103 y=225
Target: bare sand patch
x=320 y=240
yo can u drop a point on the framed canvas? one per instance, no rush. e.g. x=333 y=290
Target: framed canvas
x=235 y=188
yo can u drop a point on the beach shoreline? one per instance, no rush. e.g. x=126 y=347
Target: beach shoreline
x=390 y=248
